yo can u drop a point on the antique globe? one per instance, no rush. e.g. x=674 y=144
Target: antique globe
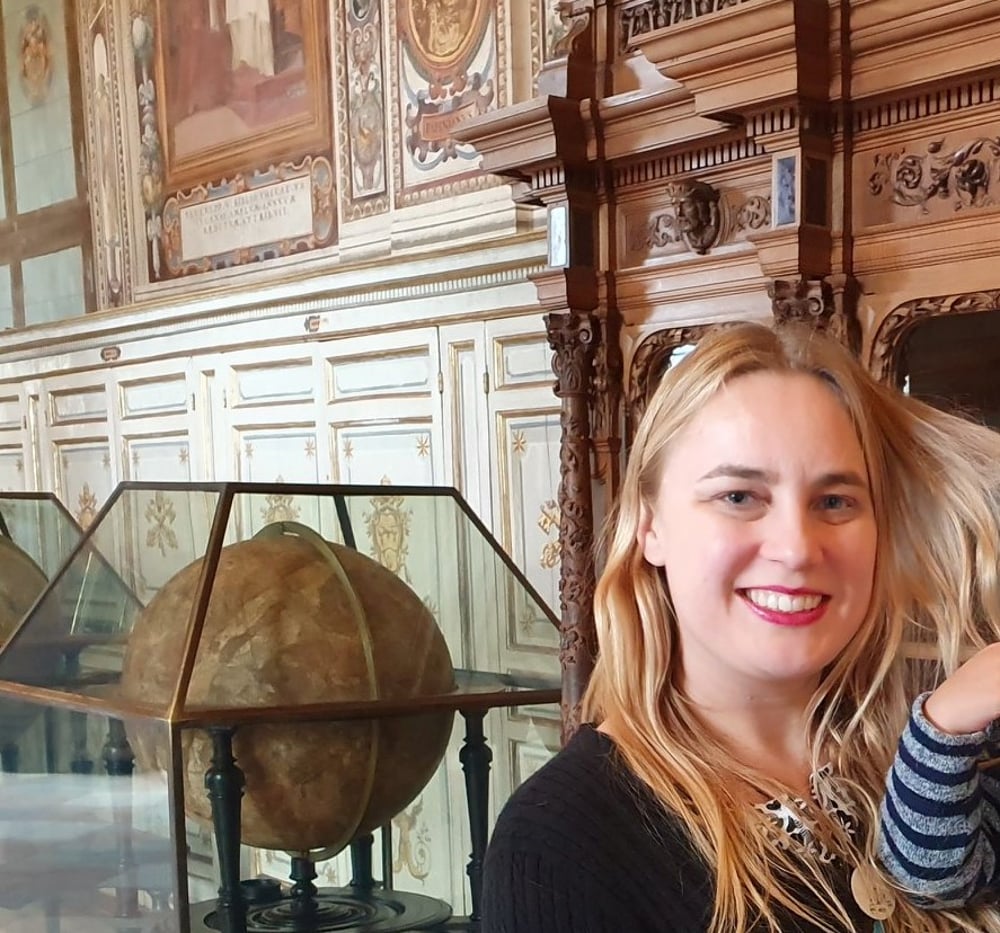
x=292 y=620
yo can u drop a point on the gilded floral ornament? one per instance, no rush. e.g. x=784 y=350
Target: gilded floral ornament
x=388 y=525
x=160 y=515
x=279 y=508
x=86 y=510
x=413 y=854
x=548 y=521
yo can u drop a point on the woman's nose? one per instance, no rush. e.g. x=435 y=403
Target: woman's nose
x=792 y=537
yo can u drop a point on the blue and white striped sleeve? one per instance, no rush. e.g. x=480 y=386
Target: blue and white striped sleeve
x=940 y=830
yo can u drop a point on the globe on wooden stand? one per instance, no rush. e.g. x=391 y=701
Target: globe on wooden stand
x=294 y=620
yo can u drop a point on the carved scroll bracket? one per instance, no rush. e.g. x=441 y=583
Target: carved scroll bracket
x=572 y=337
x=827 y=304
x=888 y=357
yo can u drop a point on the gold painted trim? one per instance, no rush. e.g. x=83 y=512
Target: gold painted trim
x=455 y=351
x=507 y=534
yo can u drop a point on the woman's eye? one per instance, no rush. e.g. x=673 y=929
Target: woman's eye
x=738 y=497
x=834 y=503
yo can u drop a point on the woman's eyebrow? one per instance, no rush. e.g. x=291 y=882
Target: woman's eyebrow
x=755 y=474
x=738 y=471
x=842 y=478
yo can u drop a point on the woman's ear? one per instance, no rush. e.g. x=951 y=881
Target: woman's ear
x=648 y=538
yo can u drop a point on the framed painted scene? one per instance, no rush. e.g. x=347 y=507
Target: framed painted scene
x=242 y=84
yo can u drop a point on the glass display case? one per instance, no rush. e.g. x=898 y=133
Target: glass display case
x=40 y=525
x=37 y=534
x=276 y=665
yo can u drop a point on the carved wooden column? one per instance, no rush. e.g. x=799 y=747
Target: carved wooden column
x=552 y=146
x=572 y=338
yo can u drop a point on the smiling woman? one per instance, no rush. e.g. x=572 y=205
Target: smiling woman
x=786 y=526
x=765 y=531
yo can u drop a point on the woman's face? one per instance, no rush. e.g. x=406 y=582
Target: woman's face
x=764 y=527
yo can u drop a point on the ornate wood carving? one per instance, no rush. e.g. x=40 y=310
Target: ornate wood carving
x=697 y=217
x=754 y=213
x=638 y=18
x=606 y=398
x=650 y=361
x=827 y=304
x=962 y=175
x=572 y=337
x=888 y=354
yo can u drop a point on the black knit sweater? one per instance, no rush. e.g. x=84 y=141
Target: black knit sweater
x=583 y=847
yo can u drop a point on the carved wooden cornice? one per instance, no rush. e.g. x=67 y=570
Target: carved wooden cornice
x=896 y=45
x=532 y=140
x=636 y=123
x=938 y=101
x=745 y=55
x=513 y=139
x=887 y=355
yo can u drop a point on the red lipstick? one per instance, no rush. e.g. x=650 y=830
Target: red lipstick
x=789 y=619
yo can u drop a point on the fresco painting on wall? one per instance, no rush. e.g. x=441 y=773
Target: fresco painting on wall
x=108 y=234
x=449 y=68
x=366 y=115
x=36 y=54
x=236 y=145
x=241 y=81
x=102 y=111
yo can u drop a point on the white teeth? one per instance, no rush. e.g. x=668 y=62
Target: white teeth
x=783 y=602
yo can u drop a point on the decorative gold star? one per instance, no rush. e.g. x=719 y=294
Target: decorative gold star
x=310 y=448
x=248 y=450
x=423 y=445
x=519 y=443
x=348 y=449
x=183 y=455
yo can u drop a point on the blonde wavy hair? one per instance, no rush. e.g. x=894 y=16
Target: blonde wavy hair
x=935 y=485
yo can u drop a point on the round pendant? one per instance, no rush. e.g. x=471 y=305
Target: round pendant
x=875 y=898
